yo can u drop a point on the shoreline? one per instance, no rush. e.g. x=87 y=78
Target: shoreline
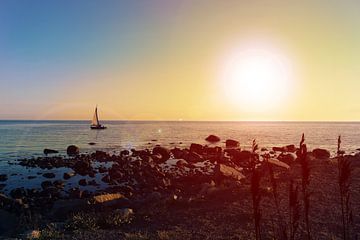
x=133 y=181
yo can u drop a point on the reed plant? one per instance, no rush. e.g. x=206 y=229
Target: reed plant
x=294 y=210
x=305 y=182
x=255 y=190
x=344 y=181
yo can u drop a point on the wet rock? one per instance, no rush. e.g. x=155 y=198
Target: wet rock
x=178 y=153
x=18 y=193
x=212 y=139
x=124 y=153
x=68 y=175
x=49 y=175
x=3 y=177
x=193 y=157
x=196 y=148
x=100 y=155
x=2 y=186
x=46 y=184
x=181 y=163
x=31 y=234
x=5 y=201
x=288 y=148
x=59 y=184
x=82 y=182
x=83 y=167
x=125 y=214
x=287 y=158
x=91 y=143
x=106 y=179
x=72 y=150
x=163 y=154
x=230 y=143
x=93 y=183
x=50 y=151
x=8 y=223
x=31 y=177
x=321 y=153
x=222 y=171
x=241 y=157
x=75 y=193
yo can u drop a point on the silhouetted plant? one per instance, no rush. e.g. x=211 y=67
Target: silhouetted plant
x=274 y=188
x=305 y=181
x=255 y=190
x=294 y=210
x=344 y=179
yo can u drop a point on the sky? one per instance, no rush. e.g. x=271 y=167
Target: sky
x=169 y=60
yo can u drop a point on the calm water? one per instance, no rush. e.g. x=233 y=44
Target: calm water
x=28 y=138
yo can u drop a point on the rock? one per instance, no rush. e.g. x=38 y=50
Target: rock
x=193 y=157
x=72 y=150
x=125 y=214
x=178 y=153
x=230 y=143
x=288 y=148
x=82 y=167
x=5 y=201
x=196 y=148
x=18 y=193
x=287 y=158
x=31 y=177
x=49 y=151
x=3 y=177
x=124 y=153
x=8 y=223
x=110 y=200
x=164 y=154
x=91 y=143
x=46 y=184
x=59 y=184
x=49 y=175
x=321 y=153
x=222 y=170
x=68 y=175
x=82 y=182
x=181 y=163
x=241 y=156
x=31 y=234
x=212 y=139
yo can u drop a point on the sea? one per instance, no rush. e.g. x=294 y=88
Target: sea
x=26 y=139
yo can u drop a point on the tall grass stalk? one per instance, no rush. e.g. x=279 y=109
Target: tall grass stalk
x=255 y=190
x=344 y=179
x=305 y=181
x=294 y=210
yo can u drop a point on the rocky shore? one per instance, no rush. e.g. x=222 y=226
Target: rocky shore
x=199 y=192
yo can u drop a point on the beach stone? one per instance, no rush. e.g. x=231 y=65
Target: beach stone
x=82 y=167
x=164 y=154
x=49 y=175
x=18 y=193
x=193 y=157
x=222 y=171
x=72 y=150
x=49 y=151
x=181 y=163
x=320 y=153
x=8 y=223
x=91 y=143
x=110 y=200
x=178 y=153
x=212 y=139
x=68 y=175
x=196 y=148
x=230 y=143
x=241 y=156
x=3 y=177
x=46 y=184
x=287 y=158
x=82 y=182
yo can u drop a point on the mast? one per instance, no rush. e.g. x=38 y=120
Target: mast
x=95 y=120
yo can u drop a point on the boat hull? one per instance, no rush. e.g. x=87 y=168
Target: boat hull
x=97 y=127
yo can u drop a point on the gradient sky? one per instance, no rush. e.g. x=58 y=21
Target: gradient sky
x=159 y=60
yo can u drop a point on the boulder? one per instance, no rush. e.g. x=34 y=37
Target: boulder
x=196 y=148
x=222 y=171
x=18 y=193
x=49 y=175
x=287 y=158
x=50 y=151
x=68 y=175
x=162 y=153
x=181 y=163
x=321 y=153
x=241 y=156
x=230 y=143
x=178 y=153
x=212 y=139
x=46 y=184
x=288 y=148
x=82 y=182
x=72 y=150
x=193 y=157
x=109 y=200
x=3 y=177
x=82 y=167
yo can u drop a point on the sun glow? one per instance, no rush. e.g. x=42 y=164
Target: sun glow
x=257 y=79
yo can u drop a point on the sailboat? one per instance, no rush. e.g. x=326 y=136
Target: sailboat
x=95 y=124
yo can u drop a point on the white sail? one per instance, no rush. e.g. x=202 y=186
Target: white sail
x=95 y=120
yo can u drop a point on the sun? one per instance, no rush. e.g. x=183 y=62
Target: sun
x=257 y=79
